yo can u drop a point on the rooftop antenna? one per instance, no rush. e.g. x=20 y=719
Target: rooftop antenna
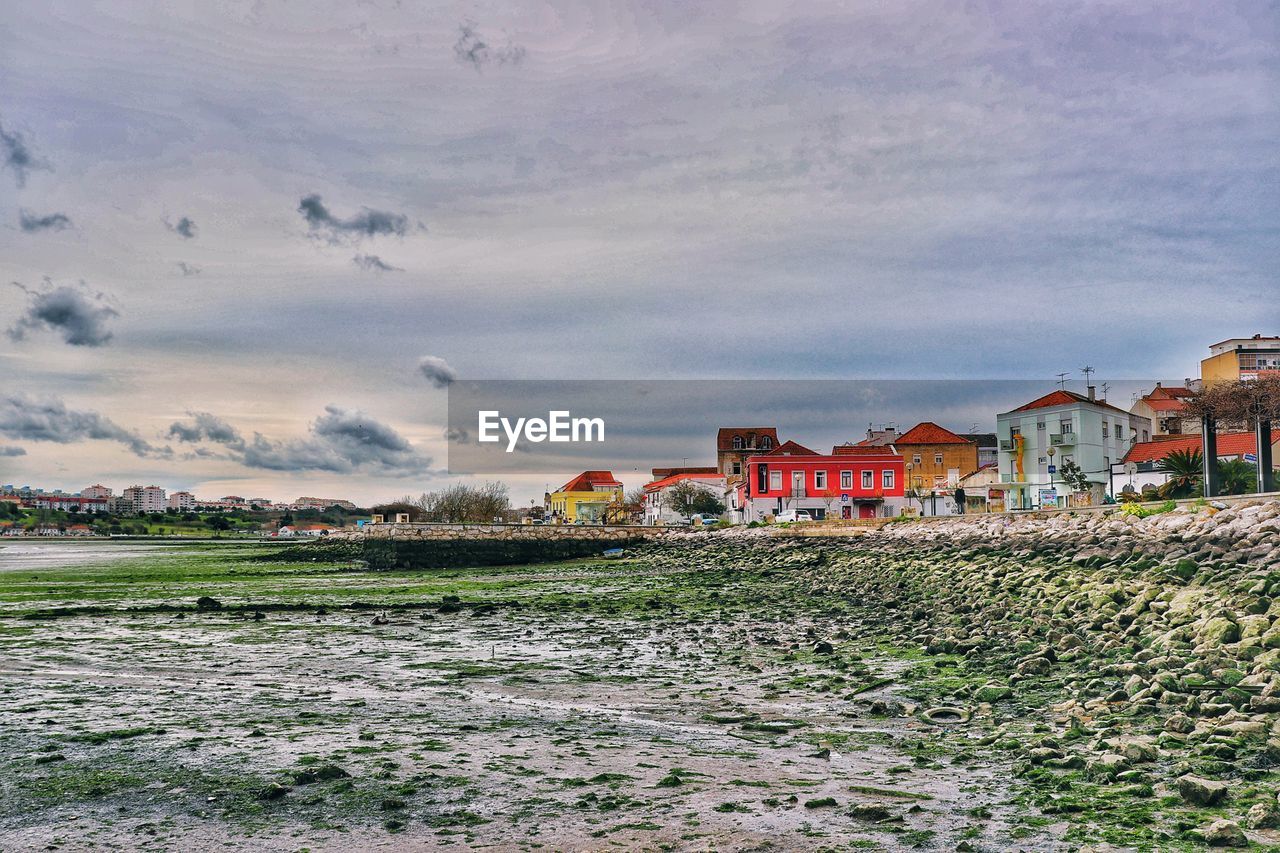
x=974 y=428
x=1087 y=371
x=1062 y=380
x=1105 y=386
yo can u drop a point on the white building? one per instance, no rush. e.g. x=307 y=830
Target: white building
x=95 y=491
x=1057 y=429
x=182 y=500
x=145 y=498
x=657 y=495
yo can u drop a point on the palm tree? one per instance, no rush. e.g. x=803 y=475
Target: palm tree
x=1185 y=470
x=1237 y=477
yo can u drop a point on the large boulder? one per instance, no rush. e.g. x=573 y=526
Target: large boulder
x=1200 y=791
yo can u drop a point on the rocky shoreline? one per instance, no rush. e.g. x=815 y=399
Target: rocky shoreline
x=1132 y=663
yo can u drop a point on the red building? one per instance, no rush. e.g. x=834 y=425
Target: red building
x=852 y=482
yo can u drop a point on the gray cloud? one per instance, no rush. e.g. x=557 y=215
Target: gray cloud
x=472 y=49
x=341 y=441
x=30 y=222
x=11 y=450
x=28 y=418
x=373 y=263
x=204 y=426
x=77 y=313
x=188 y=269
x=184 y=227
x=17 y=156
x=437 y=371
x=366 y=223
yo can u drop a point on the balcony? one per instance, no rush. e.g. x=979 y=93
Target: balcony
x=1006 y=444
x=1062 y=439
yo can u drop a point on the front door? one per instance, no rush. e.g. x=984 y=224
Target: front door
x=866 y=511
x=846 y=512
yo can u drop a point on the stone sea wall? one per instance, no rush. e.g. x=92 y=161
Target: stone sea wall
x=424 y=546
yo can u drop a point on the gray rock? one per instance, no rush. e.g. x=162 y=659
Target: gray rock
x=1200 y=791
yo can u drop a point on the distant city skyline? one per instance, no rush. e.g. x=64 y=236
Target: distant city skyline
x=250 y=249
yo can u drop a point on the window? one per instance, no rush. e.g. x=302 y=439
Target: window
x=1066 y=427
x=775 y=480
x=737 y=442
x=1106 y=433
x=867 y=479
x=1039 y=424
x=846 y=479
x=937 y=459
x=762 y=478
x=737 y=467
x=819 y=479
x=1146 y=436
x=888 y=479
x=766 y=443
x=915 y=460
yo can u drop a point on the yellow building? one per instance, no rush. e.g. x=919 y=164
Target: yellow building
x=1241 y=358
x=585 y=498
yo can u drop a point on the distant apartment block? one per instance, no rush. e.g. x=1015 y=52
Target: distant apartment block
x=182 y=500
x=1241 y=358
x=145 y=498
x=322 y=503
x=96 y=491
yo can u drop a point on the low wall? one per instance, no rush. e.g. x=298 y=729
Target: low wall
x=434 y=546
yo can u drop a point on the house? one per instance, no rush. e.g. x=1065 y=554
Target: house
x=585 y=498
x=980 y=490
x=851 y=482
x=1058 y=429
x=1241 y=358
x=1166 y=408
x=881 y=437
x=70 y=502
x=657 y=495
x=735 y=444
x=1141 y=464
x=988 y=447
x=935 y=456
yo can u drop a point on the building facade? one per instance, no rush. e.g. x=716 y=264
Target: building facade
x=734 y=445
x=936 y=458
x=145 y=498
x=849 y=483
x=658 y=495
x=95 y=491
x=585 y=499
x=1241 y=358
x=1060 y=428
x=184 y=501
x=1166 y=407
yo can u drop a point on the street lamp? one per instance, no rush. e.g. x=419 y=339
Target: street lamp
x=1051 y=452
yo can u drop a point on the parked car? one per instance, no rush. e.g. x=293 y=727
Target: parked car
x=792 y=515
x=703 y=520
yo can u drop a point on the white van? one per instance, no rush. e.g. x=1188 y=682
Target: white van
x=793 y=515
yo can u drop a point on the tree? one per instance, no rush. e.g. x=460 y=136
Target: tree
x=1074 y=476
x=1237 y=477
x=682 y=497
x=217 y=523
x=1185 y=471
x=705 y=503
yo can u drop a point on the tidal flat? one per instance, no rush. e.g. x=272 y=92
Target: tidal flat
x=197 y=697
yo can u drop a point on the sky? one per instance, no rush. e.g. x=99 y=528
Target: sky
x=245 y=247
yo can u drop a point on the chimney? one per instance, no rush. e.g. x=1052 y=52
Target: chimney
x=1093 y=393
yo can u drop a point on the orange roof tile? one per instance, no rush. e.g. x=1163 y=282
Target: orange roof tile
x=1064 y=398
x=588 y=480
x=930 y=433
x=676 y=478
x=1229 y=444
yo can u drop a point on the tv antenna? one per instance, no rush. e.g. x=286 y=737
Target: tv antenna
x=1087 y=371
x=1062 y=380
x=1105 y=386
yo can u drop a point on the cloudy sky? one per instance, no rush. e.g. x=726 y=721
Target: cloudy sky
x=235 y=230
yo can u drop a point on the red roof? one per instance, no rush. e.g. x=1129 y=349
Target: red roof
x=588 y=480
x=930 y=433
x=861 y=449
x=1065 y=398
x=751 y=437
x=790 y=448
x=1229 y=444
x=660 y=473
x=676 y=478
